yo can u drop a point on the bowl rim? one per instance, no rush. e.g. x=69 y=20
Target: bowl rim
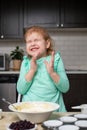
x=51 y=110
x=44 y=125
x=68 y=119
x=68 y=126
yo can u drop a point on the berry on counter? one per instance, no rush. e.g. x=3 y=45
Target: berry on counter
x=21 y=125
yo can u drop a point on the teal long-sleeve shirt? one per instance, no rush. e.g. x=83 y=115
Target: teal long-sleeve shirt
x=42 y=87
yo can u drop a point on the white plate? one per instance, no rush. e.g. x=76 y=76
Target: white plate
x=52 y=123
x=69 y=127
x=81 y=123
x=81 y=116
x=68 y=119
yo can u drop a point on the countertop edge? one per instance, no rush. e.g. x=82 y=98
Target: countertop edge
x=68 y=72
x=9 y=72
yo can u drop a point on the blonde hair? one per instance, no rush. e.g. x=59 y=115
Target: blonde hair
x=42 y=31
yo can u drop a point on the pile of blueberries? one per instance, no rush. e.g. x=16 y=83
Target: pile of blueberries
x=21 y=125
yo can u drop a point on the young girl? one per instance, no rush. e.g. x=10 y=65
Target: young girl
x=42 y=75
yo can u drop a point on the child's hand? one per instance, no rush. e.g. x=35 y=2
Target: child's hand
x=50 y=65
x=33 y=62
x=33 y=65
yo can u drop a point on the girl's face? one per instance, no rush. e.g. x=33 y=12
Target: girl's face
x=36 y=46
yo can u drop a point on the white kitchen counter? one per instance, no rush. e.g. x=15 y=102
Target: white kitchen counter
x=76 y=71
x=9 y=72
x=9 y=117
x=67 y=71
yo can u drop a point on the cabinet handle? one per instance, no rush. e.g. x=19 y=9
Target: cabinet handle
x=57 y=25
x=61 y=25
x=2 y=36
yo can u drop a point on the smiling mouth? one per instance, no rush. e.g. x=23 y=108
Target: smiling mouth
x=34 y=49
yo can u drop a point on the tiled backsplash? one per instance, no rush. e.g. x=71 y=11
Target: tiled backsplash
x=71 y=44
x=73 y=49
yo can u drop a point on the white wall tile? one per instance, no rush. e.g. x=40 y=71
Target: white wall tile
x=72 y=46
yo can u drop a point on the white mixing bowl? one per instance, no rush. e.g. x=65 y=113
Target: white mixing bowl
x=36 y=112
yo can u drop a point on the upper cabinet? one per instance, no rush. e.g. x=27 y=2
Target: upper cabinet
x=11 y=22
x=15 y=15
x=74 y=13
x=43 y=13
x=55 y=13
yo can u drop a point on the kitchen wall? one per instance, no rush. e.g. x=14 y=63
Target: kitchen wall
x=71 y=44
x=73 y=48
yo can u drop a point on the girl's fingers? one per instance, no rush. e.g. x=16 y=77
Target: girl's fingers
x=35 y=57
x=52 y=59
x=46 y=63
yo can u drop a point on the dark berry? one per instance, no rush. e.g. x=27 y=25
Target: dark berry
x=21 y=125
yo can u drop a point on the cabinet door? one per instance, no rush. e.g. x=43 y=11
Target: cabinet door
x=11 y=19
x=7 y=91
x=43 y=13
x=77 y=93
x=0 y=17
x=74 y=13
